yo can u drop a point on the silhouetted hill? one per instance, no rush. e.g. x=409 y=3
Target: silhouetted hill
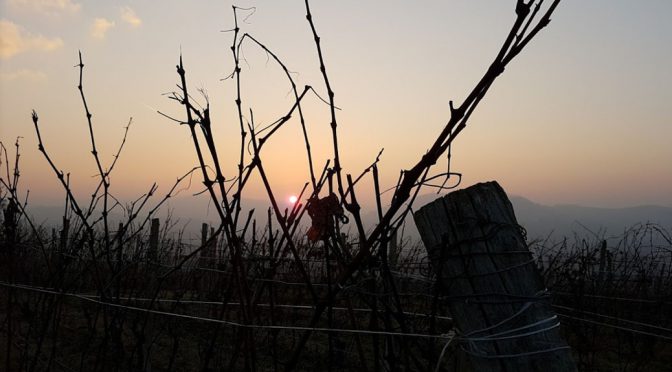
x=539 y=220
x=558 y=221
x=562 y=220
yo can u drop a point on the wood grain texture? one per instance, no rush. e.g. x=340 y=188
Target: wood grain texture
x=484 y=267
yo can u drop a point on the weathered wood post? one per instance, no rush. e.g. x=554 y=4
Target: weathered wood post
x=498 y=301
x=603 y=262
x=203 y=261
x=63 y=242
x=204 y=235
x=393 y=250
x=153 y=240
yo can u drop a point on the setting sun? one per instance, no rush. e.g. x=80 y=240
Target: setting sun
x=293 y=199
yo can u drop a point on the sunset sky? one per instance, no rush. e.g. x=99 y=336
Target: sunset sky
x=582 y=116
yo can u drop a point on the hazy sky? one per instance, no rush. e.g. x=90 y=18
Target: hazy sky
x=583 y=115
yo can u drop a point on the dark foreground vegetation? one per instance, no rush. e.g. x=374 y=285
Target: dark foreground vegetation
x=163 y=313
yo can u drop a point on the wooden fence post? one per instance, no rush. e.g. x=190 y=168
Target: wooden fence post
x=603 y=262
x=204 y=235
x=499 y=305
x=153 y=240
x=393 y=250
x=63 y=242
x=209 y=255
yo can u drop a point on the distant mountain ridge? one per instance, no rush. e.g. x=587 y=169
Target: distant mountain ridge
x=558 y=221
x=563 y=220
x=539 y=220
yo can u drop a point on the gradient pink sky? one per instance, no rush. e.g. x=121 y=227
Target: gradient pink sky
x=582 y=116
